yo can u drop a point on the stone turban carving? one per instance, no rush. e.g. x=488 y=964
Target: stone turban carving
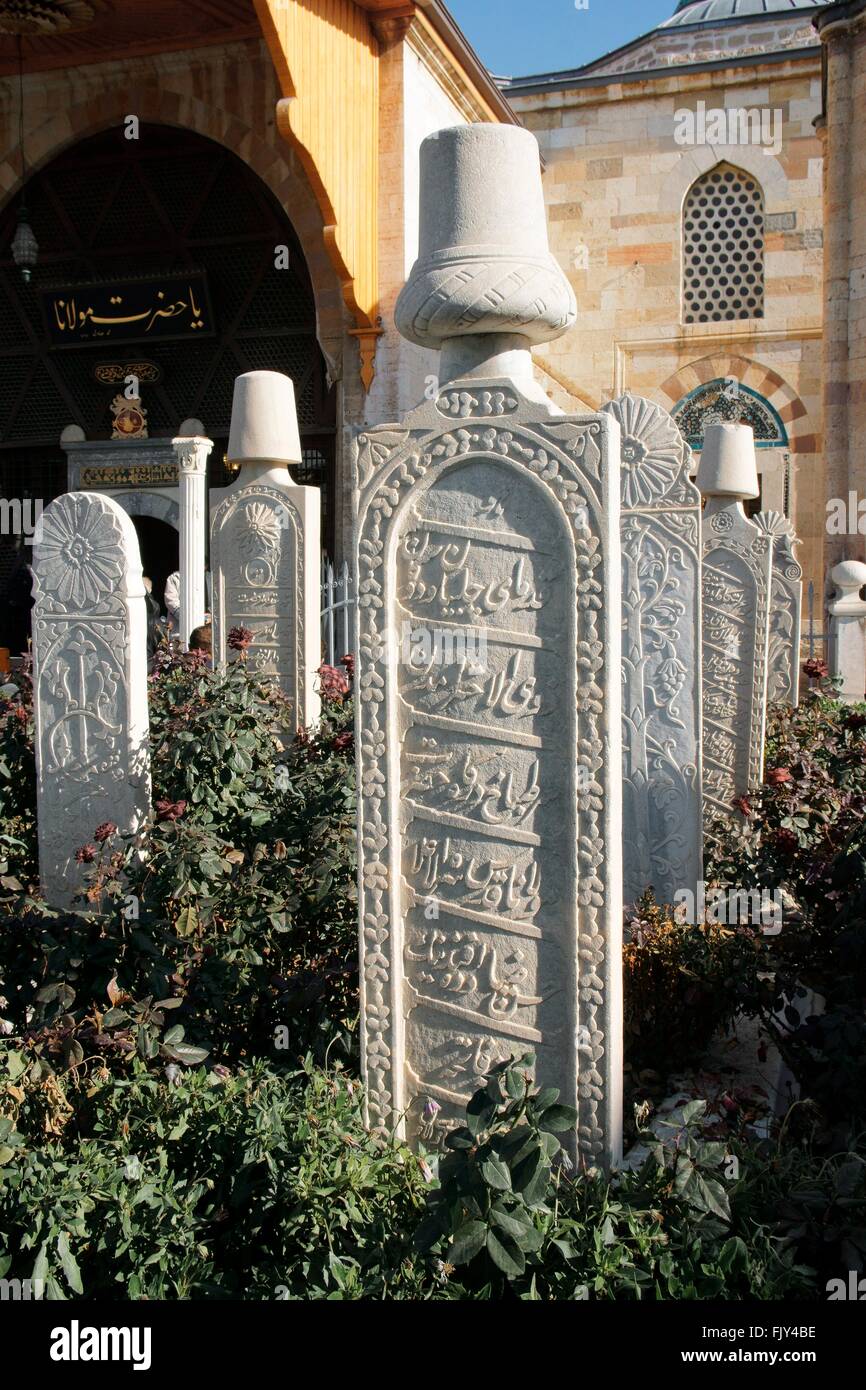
x=484 y=265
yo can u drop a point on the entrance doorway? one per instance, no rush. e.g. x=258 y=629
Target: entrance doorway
x=114 y=211
x=160 y=552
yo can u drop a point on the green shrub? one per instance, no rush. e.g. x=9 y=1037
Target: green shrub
x=19 y=856
x=804 y=831
x=678 y=987
x=213 y=1185
x=261 y=1185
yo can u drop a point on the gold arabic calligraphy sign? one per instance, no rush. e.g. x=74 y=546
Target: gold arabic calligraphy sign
x=171 y=306
x=130 y=475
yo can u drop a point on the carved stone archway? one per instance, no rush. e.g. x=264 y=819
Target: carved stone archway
x=277 y=167
x=152 y=504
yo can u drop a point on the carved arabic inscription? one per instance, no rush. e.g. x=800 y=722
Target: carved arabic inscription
x=736 y=592
x=487 y=763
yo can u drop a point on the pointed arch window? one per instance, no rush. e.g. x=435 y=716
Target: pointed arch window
x=723 y=247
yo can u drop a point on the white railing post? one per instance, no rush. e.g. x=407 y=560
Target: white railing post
x=848 y=630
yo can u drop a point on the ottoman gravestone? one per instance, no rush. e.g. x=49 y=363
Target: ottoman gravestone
x=661 y=667
x=488 y=714
x=737 y=577
x=786 y=607
x=266 y=546
x=89 y=683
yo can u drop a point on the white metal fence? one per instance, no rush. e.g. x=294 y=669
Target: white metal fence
x=338 y=612
x=812 y=641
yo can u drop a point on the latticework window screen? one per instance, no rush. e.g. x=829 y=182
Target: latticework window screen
x=723 y=248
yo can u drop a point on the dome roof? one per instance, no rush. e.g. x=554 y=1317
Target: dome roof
x=717 y=11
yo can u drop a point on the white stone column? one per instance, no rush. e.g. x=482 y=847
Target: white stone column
x=848 y=630
x=192 y=456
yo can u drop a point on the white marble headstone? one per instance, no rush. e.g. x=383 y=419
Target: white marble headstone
x=488 y=722
x=661 y=668
x=786 y=606
x=737 y=579
x=489 y=758
x=89 y=682
x=266 y=547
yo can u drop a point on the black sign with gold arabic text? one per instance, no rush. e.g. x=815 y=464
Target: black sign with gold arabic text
x=166 y=306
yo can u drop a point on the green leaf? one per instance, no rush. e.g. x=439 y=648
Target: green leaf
x=468 y=1241
x=15 y=1064
x=509 y=1222
x=505 y=1254
x=185 y=1052
x=693 y=1111
x=515 y=1085
x=479 y=1112
x=558 y=1118
x=70 y=1268
x=459 y=1139
x=113 y=1017
x=547 y=1096
x=734 y=1254
x=5 y=1155
x=187 y=922
x=550 y=1144
x=714 y=1197
x=531 y=1176
x=40 y=1267
x=495 y=1173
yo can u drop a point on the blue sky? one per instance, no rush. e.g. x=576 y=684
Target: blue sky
x=518 y=37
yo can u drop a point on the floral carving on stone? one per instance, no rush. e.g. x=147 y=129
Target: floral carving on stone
x=258 y=566
x=651 y=451
x=786 y=605
x=89 y=682
x=79 y=548
x=263 y=530
x=661 y=604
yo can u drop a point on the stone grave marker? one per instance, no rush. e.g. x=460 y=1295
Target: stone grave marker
x=737 y=576
x=89 y=683
x=786 y=608
x=661 y=667
x=488 y=715
x=265 y=546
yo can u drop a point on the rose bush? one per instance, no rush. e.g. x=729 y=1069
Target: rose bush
x=180 y=1114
